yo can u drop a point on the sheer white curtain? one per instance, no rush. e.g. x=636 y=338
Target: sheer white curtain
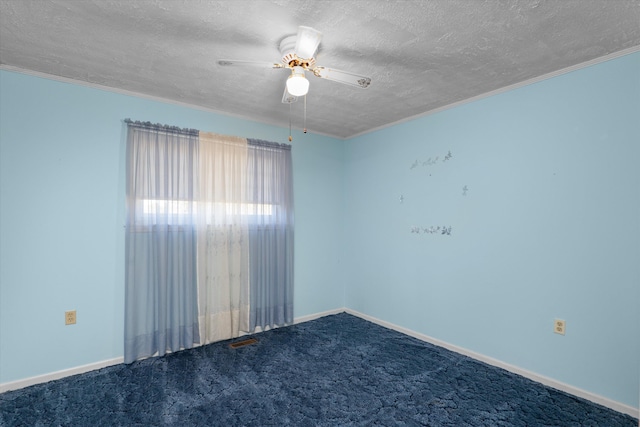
x=223 y=237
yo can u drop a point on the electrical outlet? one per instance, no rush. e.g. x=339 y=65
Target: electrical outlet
x=559 y=326
x=70 y=317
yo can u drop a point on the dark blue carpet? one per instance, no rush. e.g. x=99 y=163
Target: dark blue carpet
x=335 y=371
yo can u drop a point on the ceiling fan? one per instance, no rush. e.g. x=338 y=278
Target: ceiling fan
x=298 y=55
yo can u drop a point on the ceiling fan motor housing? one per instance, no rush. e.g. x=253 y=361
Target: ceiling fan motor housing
x=289 y=57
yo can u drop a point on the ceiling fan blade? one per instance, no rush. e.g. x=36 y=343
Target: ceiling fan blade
x=232 y=62
x=307 y=42
x=344 y=77
x=287 y=98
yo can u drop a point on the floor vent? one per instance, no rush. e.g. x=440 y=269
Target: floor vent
x=242 y=343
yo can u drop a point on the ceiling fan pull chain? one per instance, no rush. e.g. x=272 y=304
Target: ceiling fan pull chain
x=290 y=138
x=304 y=124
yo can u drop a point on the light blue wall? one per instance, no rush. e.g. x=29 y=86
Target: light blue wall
x=549 y=227
x=62 y=217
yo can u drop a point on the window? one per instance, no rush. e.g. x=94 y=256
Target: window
x=209 y=238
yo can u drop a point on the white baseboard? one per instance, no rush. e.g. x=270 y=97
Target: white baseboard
x=550 y=382
x=14 y=385
x=315 y=316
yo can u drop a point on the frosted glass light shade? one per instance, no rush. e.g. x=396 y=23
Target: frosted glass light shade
x=307 y=42
x=297 y=83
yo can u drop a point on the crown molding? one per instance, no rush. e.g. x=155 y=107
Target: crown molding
x=514 y=86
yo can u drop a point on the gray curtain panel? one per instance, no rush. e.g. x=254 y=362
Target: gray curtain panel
x=161 y=310
x=270 y=235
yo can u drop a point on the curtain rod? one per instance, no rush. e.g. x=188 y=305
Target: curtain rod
x=195 y=132
x=268 y=144
x=162 y=128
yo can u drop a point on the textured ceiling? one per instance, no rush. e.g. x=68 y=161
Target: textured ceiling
x=421 y=55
